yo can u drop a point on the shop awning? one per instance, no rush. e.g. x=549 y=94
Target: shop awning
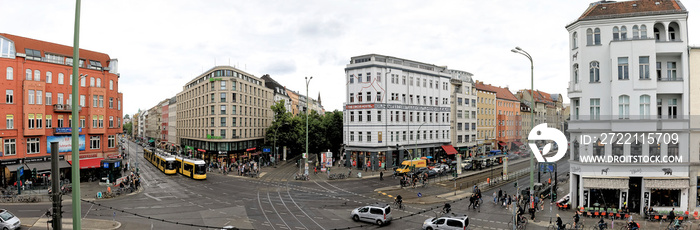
x=89 y=163
x=44 y=166
x=670 y=183
x=517 y=143
x=606 y=182
x=449 y=149
x=502 y=143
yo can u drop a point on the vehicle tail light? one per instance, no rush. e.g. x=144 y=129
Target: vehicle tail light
x=384 y=216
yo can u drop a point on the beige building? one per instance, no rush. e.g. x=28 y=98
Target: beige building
x=223 y=113
x=486 y=120
x=694 y=81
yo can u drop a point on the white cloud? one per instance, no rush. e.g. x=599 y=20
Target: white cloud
x=162 y=44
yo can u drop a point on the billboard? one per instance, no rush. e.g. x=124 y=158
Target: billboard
x=64 y=143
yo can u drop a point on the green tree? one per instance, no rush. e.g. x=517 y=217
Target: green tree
x=127 y=128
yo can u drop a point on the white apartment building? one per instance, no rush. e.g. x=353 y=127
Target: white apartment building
x=396 y=109
x=629 y=76
x=463 y=109
x=172 y=124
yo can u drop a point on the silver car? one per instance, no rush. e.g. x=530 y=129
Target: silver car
x=8 y=221
x=374 y=213
x=448 y=221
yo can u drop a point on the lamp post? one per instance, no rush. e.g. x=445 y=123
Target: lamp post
x=307 y=79
x=275 y=143
x=518 y=50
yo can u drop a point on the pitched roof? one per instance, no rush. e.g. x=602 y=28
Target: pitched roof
x=21 y=43
x=610 y=9
x=501 y=93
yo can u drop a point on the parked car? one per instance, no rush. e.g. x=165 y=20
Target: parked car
x=441 y=168
x=8 y=220
x=379 y=213
x=421 y=171
x=448 y=221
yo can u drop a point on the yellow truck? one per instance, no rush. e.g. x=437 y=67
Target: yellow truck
x=407 y=165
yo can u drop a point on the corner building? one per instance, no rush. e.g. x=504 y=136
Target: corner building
x=37 y=83
x=629 y=75
x=396 y=109
x=222 y=115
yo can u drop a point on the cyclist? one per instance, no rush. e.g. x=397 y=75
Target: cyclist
x=560 y=224
x=632 y=225
x=601 y=224
x=520 y=213
x=399 y=200
x=447 y=208
x=676 y=223
x=576 y=219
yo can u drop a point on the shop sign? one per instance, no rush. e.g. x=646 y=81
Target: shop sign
x=213 y=137
x=215 y=79
x=9 y=162
x=81 y=156
x=222 y=152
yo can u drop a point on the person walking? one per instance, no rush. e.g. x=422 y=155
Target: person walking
x=381 y=175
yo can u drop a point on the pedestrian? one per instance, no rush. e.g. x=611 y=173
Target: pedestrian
x=381 y=175
x=500 y=194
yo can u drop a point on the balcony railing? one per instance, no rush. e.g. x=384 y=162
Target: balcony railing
x=64 y=108
x=669 y=79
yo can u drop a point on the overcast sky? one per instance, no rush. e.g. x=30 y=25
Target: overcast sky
x=162 y=44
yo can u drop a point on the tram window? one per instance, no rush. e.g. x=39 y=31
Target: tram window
x=170 y=165
x=199 y=169
x=188 y=167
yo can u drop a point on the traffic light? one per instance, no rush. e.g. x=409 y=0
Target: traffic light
x=33 y=172
x=554 y=195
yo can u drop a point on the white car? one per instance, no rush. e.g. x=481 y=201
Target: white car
x=8 y=220
x=374 y=213
x=448 y=221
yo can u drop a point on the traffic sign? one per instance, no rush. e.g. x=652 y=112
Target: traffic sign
x=420 y=195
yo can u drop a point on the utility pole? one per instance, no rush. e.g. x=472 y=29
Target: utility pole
x=75 y=169
x=56 y=216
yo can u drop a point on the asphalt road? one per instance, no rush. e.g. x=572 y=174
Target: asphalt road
x=270 y=202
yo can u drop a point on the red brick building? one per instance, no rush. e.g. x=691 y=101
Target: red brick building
x=507 y=113
x=35 y=77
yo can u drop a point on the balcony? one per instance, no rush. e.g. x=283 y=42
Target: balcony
x=64 y=108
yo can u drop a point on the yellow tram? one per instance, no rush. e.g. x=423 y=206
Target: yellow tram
x=192 y=168
x=163 y=161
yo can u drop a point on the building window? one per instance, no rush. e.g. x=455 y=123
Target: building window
x=624 y=107
x=643 y=31
x=655 y=148
x=10 y=121
x=352 y=97
x=623 y=68
x=32 y=145
x=575 y=73
x=665 y=198
x=596 y=36
x=359 y=78
x=403 y=80
x=110 y=141
x=37 y=75
x=82 y=100
x=82 y=121
x=94 y=142
x=672 y=108
x=102 y=121
x=48 y=77
x=595 y=109
x=9 y=96
x=82 y=81
x=60 y=121
x=111 y=122
x=369 y=96
x=30 y=98
x=644 y=67
x=28 y=75
x=352 y=116
x=9 y=74
x=616 y=33
x=359 y=116
x=111 y=103
x=598 y=148
x=635 y=32
x=102 y=101
x=379 y=96
x=359 y=136
x=671 y=70
x=94 y=101
x=379 y=115
x=222 y=97
x=94 y=121
x=594 y=71
x=39 y=120
x=92 y=82
x=223 y=85
x=369 y=116
x=574 y=40
x=10 y=147
x=589 y=37
x=359 y=97
x=352 y=80
x=369 y=77
x=223 y=110
x=623 y=33
x=119 y=105
x=352 y=134
x=369 y=136
x=48 y=122
x=644 y=106
x=111 y=85
x=60 y=78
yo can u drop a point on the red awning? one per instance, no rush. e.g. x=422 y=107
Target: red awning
x=517 y=143
x=449 y=149
x=89 y=163
x=502 y=144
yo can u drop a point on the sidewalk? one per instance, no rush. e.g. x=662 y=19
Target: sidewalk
x=67 y=223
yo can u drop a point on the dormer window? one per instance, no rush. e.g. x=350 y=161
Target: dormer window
x=95 y=65
x=7 y=48
x=33 y=54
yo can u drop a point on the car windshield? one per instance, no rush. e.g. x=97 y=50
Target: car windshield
x=6 y=215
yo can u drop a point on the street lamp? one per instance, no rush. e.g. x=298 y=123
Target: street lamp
x=307 y=79
x=518 y=50
x=275 y=143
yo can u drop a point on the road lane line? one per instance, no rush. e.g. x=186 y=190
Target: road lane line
x=302 y=211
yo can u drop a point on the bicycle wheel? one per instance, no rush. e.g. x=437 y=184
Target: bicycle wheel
x=552 y=227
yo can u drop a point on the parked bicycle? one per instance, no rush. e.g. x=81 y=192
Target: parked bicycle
x=521 y=224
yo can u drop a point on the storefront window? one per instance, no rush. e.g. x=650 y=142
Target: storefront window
x=697 y=196
x=604 y=198
x=665 y=197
